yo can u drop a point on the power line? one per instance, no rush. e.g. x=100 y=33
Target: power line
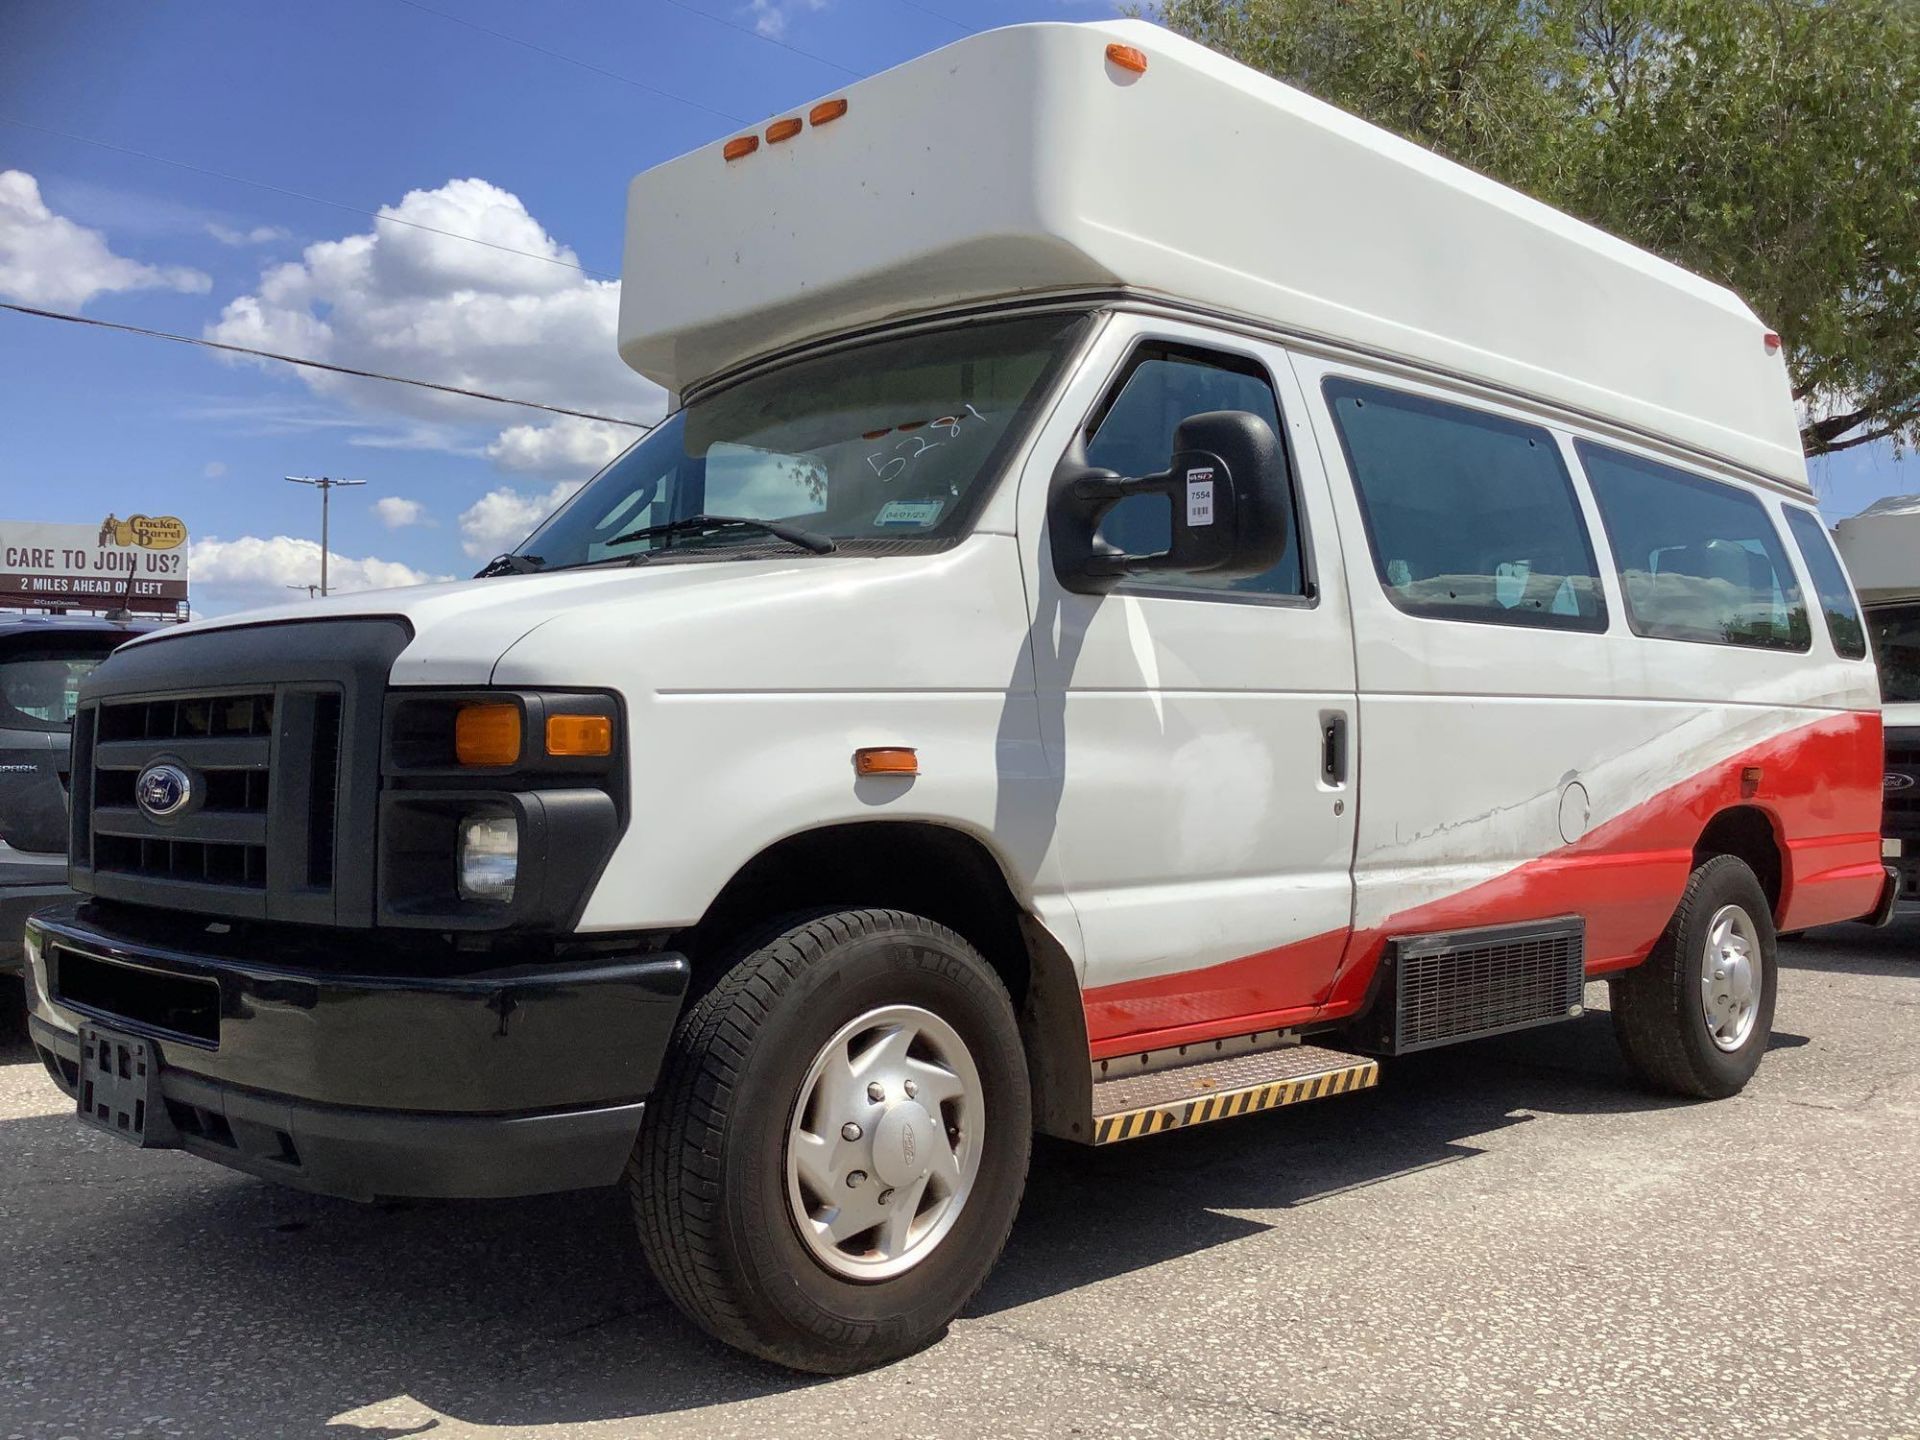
x=299 y=195
x=770 y=39
x=929 y=10
x=570 y=60
x=320 y=365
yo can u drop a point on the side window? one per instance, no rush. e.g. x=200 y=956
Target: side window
x=1699 y=560
x=1471 y=516
x=1844 y=625
x=1132 y=434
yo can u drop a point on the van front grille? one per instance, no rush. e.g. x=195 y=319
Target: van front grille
x=213 y=855
x=1902 y=815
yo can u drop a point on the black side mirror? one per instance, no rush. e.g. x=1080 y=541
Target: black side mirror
x=1226 y=489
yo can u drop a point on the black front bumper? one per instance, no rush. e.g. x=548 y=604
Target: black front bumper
x=507 y=1080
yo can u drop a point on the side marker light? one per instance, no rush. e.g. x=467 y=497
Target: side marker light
x=886 y=760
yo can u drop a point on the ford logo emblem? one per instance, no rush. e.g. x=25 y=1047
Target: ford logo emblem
x=1898 y=781
x=163 y=790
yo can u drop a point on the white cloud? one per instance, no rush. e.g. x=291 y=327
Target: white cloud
x=502 y=518
x=215 y=469
x=46 y=259
x=770 y=16
x=412 y=302
x=395 y=512
x=249 y=570
x=565 y=446
x=258 y=235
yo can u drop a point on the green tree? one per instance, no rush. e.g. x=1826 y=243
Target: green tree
x=1771 y=145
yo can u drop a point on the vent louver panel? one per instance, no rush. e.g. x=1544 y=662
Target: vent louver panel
x=1466 y=984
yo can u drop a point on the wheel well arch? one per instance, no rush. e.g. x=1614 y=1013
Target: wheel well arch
x=947 y=874
x=1751 y=834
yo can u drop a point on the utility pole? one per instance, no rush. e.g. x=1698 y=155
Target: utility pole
x=326 y=486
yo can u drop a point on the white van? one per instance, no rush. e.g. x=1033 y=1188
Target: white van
x=1154 y=594
x=1882 y=549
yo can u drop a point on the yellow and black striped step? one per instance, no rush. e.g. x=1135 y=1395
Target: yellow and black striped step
x=1161 y=1100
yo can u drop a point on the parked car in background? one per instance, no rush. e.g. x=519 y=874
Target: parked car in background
x=43 y=659
x=1882 y=549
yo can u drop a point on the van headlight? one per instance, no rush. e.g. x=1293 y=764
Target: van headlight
x=489 y=856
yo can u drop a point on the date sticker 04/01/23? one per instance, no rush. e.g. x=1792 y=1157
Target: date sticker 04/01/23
x=919 y=514
x=1199 y=496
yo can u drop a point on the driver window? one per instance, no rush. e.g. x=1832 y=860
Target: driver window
x=1132 y=433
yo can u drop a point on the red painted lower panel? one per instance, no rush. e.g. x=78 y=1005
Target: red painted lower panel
x=1819 y=785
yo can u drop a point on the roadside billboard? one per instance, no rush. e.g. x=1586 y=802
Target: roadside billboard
x=139 y=563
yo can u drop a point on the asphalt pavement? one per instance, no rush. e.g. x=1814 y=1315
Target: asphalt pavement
x=1505 y=1239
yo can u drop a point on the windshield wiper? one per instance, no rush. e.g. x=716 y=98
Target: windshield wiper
x=509 y=565
x=806 y=539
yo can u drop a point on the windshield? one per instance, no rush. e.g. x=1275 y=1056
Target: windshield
x=898 y=440
x=1895 y=631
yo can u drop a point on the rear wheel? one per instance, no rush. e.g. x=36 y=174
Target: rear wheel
x=834 y=1155
x=1695 y=1018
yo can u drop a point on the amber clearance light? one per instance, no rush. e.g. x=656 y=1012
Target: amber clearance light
x=783 y=129
x=579 y=735
x=487 y=734
x=886 y=760
x=739 y=146
x=826 y=110
x=1128 y=57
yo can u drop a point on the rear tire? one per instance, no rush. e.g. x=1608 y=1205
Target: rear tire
x=736 y=1195
x=1695 y=1017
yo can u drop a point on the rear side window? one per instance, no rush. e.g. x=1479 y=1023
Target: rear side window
x=1698 y=560
x=41 y=691
x=1471 y=516
x=1830 y=580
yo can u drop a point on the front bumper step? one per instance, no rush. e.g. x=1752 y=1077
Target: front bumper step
x=1131 y=1106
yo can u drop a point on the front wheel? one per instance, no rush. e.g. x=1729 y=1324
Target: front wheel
x=834 y=1155
x=1695 y=1017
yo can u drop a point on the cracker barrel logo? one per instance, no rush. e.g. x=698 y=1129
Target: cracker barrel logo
x=149 y=532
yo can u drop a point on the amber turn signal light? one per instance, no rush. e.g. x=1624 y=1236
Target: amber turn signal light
x=579 y=735
x=783 y=129
x=826 y=110
x=740 y=145
x=487 y=734
x=886 y=760
x=1128 y=57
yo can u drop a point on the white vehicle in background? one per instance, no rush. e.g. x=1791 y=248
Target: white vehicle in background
x=1156 y=593
x=1882 y=549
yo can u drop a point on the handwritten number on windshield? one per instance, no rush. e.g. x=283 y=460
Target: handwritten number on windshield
x=891 y=467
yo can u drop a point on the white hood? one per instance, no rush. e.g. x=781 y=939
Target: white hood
x=462 y=628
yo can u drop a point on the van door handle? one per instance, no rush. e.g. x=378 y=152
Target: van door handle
x=1333 y=750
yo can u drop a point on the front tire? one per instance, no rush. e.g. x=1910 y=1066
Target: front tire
x=1695 y=1017
x=832 y=1160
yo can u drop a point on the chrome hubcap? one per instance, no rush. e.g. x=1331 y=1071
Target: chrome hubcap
x=884 y=1144
x=1730 y=977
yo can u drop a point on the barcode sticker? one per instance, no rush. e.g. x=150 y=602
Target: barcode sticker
x=1200 y=497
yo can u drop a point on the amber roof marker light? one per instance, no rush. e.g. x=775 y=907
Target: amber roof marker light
x=826 y=110
x=783 y=129
x=740 y=146
x=1127 y=57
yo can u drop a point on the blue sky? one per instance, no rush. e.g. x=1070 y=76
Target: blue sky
x=447 y=113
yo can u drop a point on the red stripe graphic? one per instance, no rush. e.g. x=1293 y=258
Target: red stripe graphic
x=1819 y=788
